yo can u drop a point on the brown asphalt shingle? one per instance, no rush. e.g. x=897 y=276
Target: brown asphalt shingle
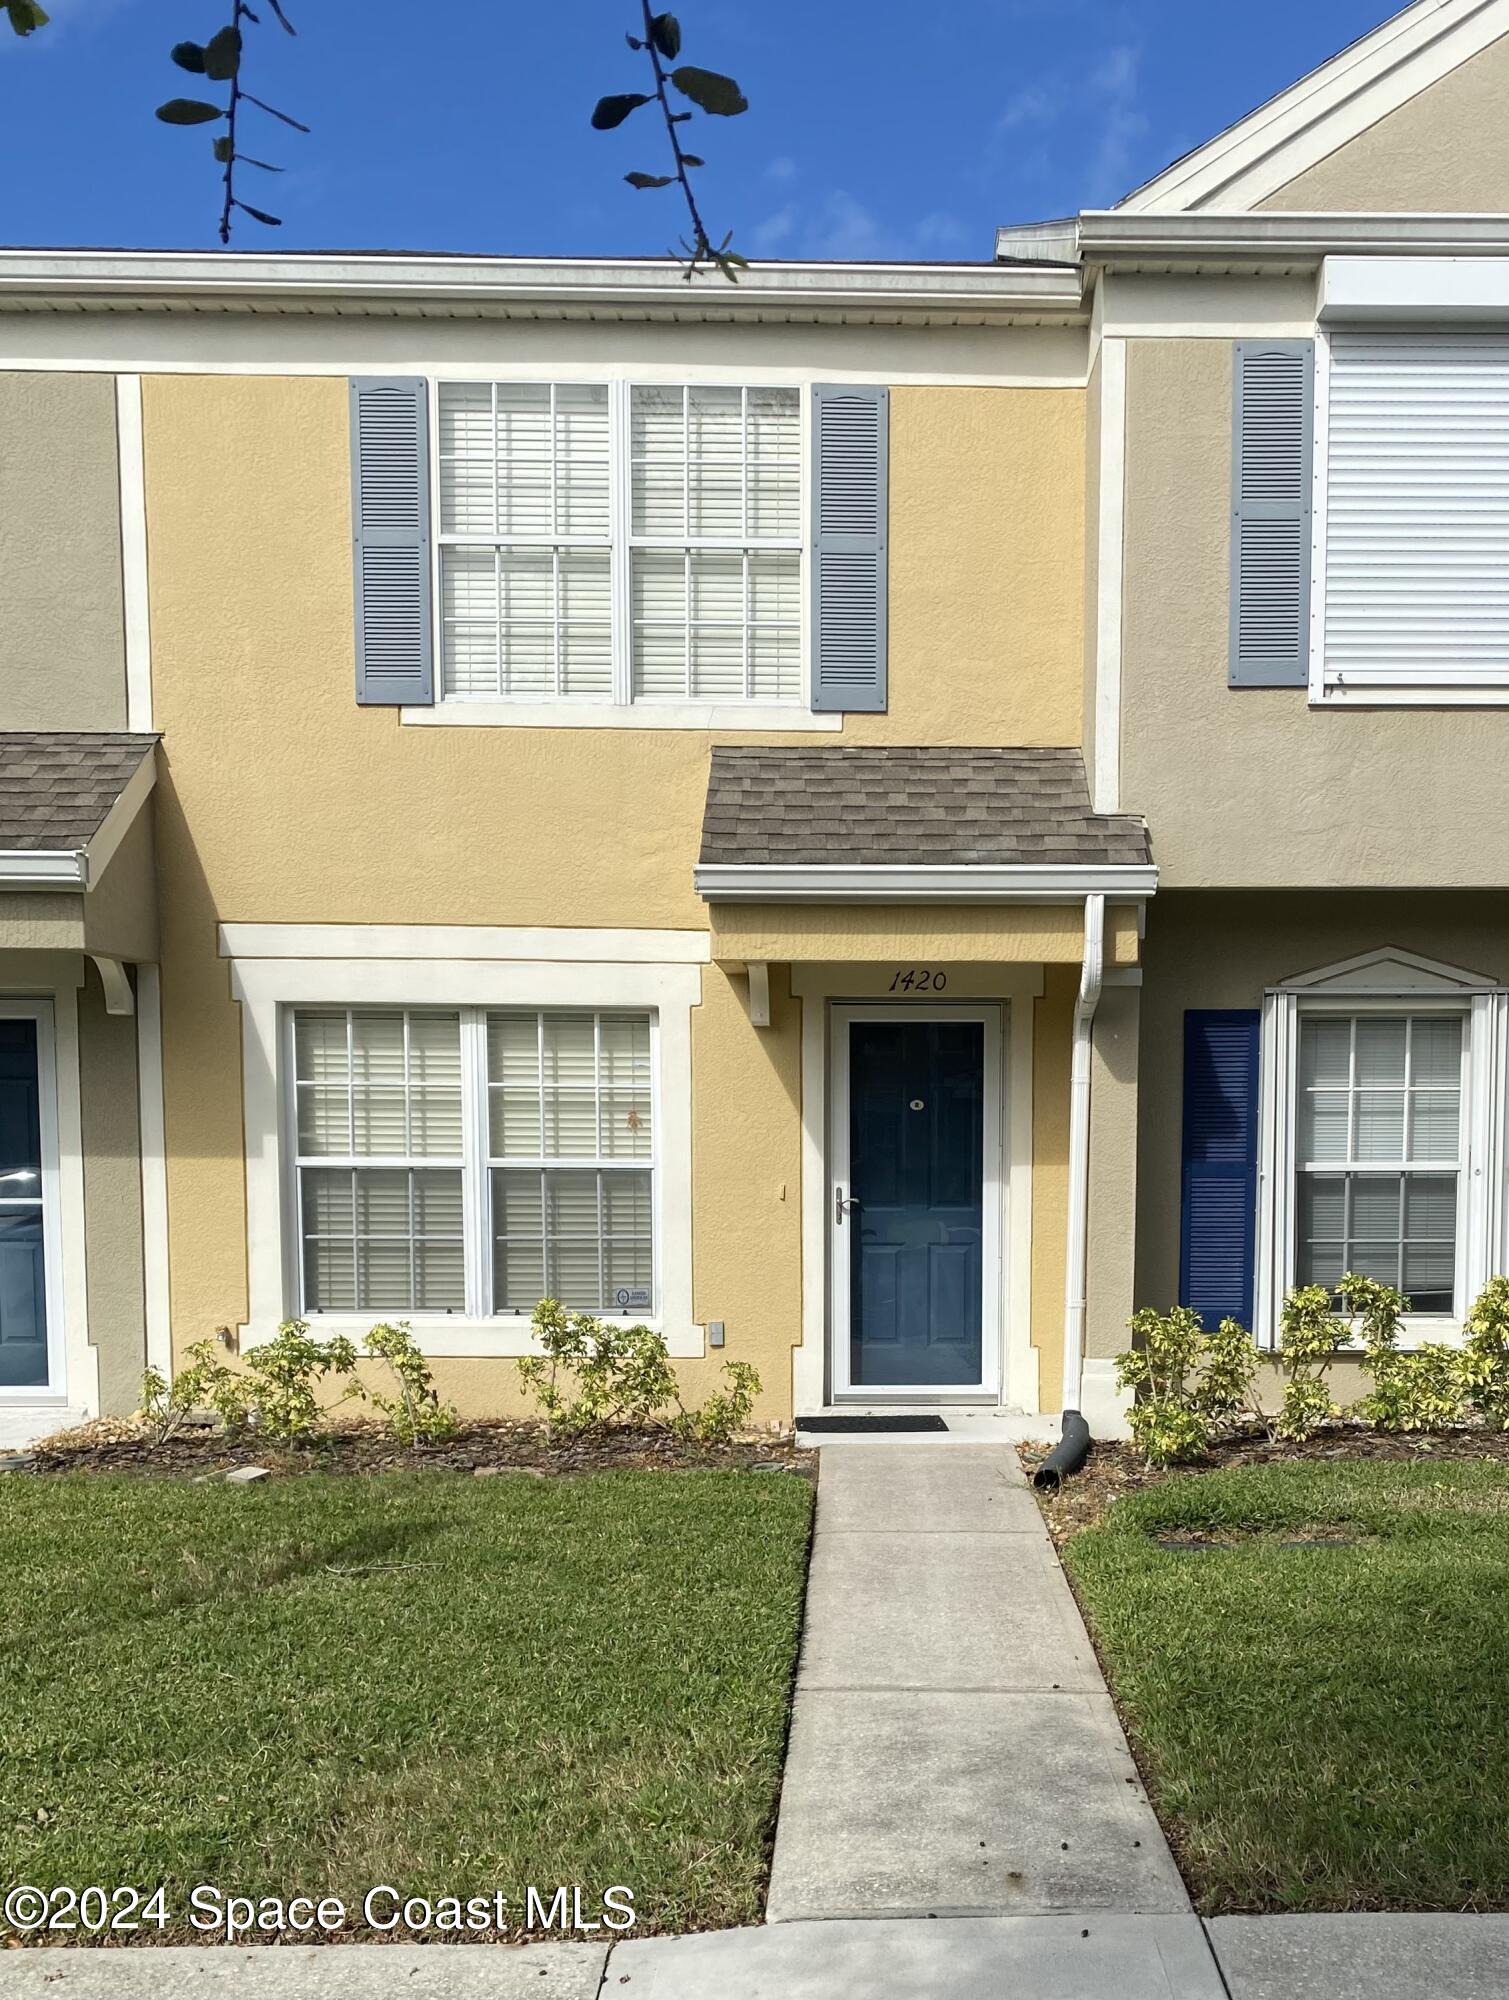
x=933 y=806
x=56 y=786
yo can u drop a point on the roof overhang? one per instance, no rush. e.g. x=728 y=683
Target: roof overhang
x=527 y=287
x=79 y=868
x=1128 y=239
x=1024 y=882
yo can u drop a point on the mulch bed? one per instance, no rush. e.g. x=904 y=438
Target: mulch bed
x=1115 y=1470
x=502 y=1445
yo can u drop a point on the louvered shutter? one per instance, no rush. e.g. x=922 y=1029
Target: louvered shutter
x=850 y=450
x=390 y=522
x=1272 y=442
x=1218 y=1170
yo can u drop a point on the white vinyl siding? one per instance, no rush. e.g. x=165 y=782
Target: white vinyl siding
x=617 y=543
x=473 y=1161
x=1416 y=529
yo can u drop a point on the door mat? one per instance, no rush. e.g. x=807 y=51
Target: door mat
x=838 y=1425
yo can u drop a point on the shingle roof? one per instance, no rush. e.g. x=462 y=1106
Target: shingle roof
x=935 y=806
x=57 y=786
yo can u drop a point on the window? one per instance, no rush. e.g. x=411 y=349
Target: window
x=1379 y=1138
x=619 y=544
x=473 y=1160
x=1416 y=527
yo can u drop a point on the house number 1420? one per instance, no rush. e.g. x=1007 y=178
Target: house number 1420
x=918 y=979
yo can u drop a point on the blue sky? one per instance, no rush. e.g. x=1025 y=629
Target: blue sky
x=874 y=130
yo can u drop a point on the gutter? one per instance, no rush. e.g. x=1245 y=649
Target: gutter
x=1016 y=882
x=1123 y=236
x=44 y=868
x=1073 y=1447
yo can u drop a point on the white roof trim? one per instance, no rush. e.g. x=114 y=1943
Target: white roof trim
x=1391 y=972
x=533 y=286
x=1263 y=152
x=1121 y=237
x=69 y=868
x=1022 y=882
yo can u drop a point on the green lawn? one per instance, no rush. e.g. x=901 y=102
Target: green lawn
x=447 y=1684
x=1322 y=1728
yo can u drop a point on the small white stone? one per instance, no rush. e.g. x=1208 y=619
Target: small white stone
x=247 y=1475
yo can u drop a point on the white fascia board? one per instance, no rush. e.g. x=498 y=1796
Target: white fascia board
x=1373 y=76
x=1366 y=289
x=112 y=829
x=1121 y=239
x=44 y=868
x=1028 y=882
x=533 y=285
x=481 y=943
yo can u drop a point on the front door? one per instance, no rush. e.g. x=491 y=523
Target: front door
x=23 y=1287
x=916 y=1252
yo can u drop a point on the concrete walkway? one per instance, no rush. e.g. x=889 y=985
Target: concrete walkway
x=953 y=1751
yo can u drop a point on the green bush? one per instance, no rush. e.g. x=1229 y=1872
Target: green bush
x=1309 y=1333
x=1191 y=1384
x=1484 y=1360
x=1411 y=1392
x=595 y=1374
x=414 y=1410
x=204 y=1383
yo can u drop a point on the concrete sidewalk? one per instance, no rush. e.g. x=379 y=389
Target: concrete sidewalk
x=953 y=1750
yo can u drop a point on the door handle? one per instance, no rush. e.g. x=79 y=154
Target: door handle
x=842 y=1204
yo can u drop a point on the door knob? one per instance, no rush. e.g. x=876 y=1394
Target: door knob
x=842 y=1204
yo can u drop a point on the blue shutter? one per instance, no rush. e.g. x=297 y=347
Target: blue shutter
x=1218 y=1168
x=850 y=457
x=1273 y=431
x=390 y=526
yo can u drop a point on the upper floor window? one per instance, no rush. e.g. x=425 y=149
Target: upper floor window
x=618 y=543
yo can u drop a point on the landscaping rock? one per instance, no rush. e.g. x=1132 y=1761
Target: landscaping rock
x=247 y=1475
x=17 y=1461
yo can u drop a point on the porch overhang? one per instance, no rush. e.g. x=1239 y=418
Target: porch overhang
x=746 y=934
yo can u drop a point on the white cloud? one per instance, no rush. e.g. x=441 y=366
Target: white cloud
x=1115 y=75
x=775 y=230
x=1035 y=105
x=841 y=227
x=782 y=170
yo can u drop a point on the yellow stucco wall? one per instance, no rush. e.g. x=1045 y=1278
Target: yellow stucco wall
x=282 y=801
x=1052 y=1029
x=1444 y=151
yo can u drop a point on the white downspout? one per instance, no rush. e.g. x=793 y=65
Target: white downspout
x=1079 y=1150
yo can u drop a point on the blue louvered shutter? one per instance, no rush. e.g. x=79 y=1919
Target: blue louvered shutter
x=1273 y=430
x=1218 y=1168
x=850 y=463
x=390 y=525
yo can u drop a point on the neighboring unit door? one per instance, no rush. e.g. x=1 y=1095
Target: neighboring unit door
x=23 y=1282
x=913 y=1201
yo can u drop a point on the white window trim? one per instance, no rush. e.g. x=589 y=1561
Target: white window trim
x=624 y=711
x=268 y=988
x=1427 y=690
x=1386 y=982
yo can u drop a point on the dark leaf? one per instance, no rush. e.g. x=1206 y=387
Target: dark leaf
x=611 y=111
x=633 y=41
x=26 y=16
x=283 y=19
x=246 y=160
x=273 y=111
x=225 y=150
x=188 y=111
x=648 y=180
x=248 y=15
x=189 y=56
x=691 y=160
x=261 y=215
x=710 y=92
x=665 y=33
x=222 y=55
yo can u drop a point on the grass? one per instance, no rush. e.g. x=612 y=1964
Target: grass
x=450 y=1685
x=1321 y=1727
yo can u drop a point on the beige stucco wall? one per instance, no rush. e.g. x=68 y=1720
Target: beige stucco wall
x=1446 y=150
x=1252 y=787
x=62 y=644
x=280 y=800
x=949 y=935
x=1222 y=950
x=112 y=1197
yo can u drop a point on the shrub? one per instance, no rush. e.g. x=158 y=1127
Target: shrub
x=415 y=1411
x=1191 y=1383
x=595 y=1373
x=204 y=1383
x=1411 y=1392
x=1309 y=1335
x=277 y=1391
x=1484 y=1360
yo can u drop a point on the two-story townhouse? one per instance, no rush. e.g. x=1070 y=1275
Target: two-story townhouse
x=659 y=787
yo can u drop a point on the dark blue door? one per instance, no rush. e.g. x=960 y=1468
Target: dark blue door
x=916 y=1170
x=23 y=1297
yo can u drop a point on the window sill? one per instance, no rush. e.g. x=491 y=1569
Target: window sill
x=1411 y=694
x=732 y=715
x=451 y=1334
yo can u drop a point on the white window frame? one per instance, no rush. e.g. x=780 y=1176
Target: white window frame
x=1386 y=982
x=1439 y=689
x=624 y=710
x=339 y=966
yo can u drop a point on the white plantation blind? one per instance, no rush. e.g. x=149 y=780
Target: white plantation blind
x=1417 y=511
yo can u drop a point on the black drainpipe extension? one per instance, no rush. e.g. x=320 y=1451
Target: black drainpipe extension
x=1067 y=1456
